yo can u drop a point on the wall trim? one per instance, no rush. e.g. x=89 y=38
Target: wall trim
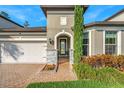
x=119 y=39
x=104 y=42
x=90 y=42
x=23 y=39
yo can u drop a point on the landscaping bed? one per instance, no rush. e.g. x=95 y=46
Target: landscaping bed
x=101 y=61
x=100 y=71
x=49 y=67
x=88 y=78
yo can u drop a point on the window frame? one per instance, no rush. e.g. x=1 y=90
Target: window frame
x=86 y=44
x=111 y=43
x=63 y=20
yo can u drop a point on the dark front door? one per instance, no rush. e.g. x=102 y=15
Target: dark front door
x=62 y=46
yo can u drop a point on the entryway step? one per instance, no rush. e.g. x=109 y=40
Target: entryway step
x=63 y=60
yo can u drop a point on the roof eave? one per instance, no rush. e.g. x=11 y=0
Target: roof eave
x=104 y=24
x=29 y=29
x=45 y=7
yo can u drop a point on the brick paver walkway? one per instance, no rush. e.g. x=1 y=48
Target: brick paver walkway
x=64 y=73
x=20 y=75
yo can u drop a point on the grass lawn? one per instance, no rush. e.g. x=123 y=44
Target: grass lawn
x=76 y=84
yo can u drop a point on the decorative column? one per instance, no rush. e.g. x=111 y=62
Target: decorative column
x=71 y=57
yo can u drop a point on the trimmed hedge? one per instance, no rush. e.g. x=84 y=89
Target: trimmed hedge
x=102 y=68
x=99 y=61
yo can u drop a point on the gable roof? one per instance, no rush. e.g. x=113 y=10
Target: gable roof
x=116 y=14
x=11 y=21
x=106 y=22
x=19 y=27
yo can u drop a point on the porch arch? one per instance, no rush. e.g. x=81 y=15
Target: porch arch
x=63 y=33
x=71 y=44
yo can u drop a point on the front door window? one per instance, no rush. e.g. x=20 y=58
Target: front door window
x=62 y=46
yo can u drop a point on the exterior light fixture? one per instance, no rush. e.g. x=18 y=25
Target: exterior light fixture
x=51 y=41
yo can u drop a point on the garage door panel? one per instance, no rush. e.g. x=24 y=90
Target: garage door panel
x=23 y=52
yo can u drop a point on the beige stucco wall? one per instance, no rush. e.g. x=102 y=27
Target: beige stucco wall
x=97 y=38
x=54 y=27
x=119 y=17
x=96 y=42
x=122 y=42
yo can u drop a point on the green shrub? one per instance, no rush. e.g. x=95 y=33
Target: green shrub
x=105 y=74
x=84 y=71
x=78 y=31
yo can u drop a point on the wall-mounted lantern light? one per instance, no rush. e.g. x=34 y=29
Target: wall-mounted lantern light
x=51 y=41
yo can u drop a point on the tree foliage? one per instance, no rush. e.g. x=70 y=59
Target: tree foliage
x=26 y=24
x=78 y=33
x=5 y=14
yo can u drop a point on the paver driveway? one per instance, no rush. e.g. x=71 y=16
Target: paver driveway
x=17 y=75
x=20 y=75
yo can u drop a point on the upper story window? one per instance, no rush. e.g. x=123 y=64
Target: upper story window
x=63 y=21
x=110 y=42
x=85 y=44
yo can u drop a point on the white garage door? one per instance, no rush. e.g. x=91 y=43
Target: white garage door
x=23 y=52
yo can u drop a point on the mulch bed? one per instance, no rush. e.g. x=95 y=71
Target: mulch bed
x=49 y=67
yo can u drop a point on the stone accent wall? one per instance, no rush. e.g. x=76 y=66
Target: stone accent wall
x=52 y=56
x=71 y=58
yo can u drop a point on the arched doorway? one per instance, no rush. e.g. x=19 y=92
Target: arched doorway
x=64 y=46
